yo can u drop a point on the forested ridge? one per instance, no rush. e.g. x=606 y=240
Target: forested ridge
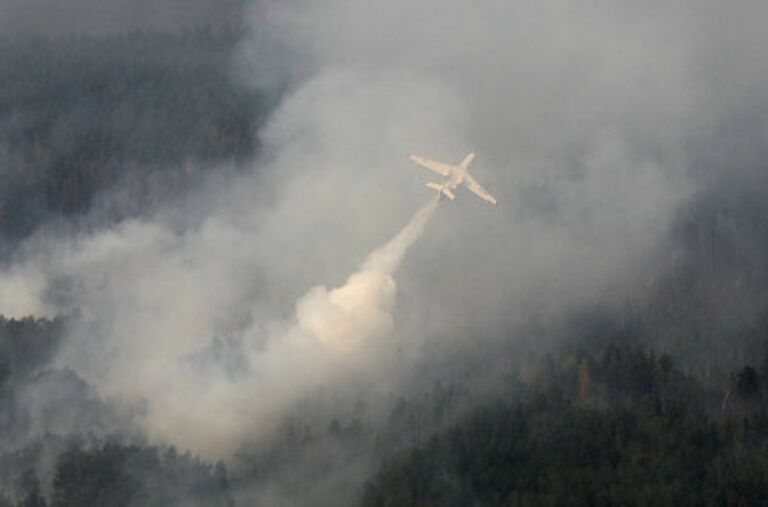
x=620 y=428
x=612 y=424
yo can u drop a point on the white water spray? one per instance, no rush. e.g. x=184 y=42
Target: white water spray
x=334 y=331
x=344 y=318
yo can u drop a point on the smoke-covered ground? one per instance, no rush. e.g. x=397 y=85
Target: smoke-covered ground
x=600 y=128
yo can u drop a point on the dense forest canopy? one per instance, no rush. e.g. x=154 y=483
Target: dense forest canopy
x=82 y=114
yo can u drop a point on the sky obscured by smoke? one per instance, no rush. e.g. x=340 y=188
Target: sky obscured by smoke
x=56 y=17
x=588 y=121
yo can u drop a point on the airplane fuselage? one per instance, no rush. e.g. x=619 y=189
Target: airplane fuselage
x=456 y=178
x=456 y=175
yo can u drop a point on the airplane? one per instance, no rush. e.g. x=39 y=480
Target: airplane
x=456 y=174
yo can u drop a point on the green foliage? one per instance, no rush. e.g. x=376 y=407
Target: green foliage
x=634 y=440
x=30 y=490
x=119 y=475
x=26 y=345
x=747 y=383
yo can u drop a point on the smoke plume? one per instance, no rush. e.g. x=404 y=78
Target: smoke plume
x=588 y=122
x=203 y=396
x=333 y=332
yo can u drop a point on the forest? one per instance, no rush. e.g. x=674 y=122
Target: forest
x=146 y=111
x=664 y=402
x=606 y=425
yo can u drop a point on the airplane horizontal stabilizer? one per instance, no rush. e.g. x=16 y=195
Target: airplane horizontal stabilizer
x=442 y=189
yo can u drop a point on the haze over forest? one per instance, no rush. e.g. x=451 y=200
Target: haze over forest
x=24 y=18
x=222 y=282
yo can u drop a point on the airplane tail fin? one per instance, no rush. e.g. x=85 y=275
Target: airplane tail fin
x=468 y=160
x=441 y=188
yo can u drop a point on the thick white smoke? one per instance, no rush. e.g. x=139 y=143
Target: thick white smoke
x=333 y=332
x=154 y=349
x=21 y=293
x=582 y=117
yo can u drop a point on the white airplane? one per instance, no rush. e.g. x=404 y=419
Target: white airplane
x=456 y=174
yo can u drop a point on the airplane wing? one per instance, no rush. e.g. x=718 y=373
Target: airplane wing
x=438 y=167
x=475 y=187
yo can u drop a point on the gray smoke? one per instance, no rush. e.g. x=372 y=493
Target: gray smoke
x=56 y=17
x=165 y=306
x=584 y=118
